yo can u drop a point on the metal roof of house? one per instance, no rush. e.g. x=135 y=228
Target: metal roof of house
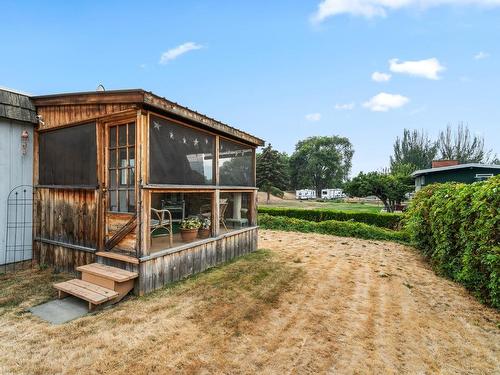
x=16 y=106
x=452 y=167
x=146 y=98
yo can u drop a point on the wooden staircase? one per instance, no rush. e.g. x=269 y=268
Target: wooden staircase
x=100 y=285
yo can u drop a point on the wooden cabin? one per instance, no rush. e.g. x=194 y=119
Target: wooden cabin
x=122 y=175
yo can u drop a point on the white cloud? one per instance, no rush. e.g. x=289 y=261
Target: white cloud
x=381 y=77
x=481 y=55
x=382 y=102
x=380 y=8
x=174 y=53
x=428 y=68
x=344 y=107
x=313 y=117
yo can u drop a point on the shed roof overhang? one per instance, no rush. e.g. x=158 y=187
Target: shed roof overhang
x=453 y=167
x=148 y=100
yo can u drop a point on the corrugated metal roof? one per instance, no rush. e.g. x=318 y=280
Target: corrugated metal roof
x=451 y=167
x=16 y=106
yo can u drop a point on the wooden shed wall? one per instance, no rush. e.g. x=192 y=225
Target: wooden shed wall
x=157 y=272
x=66 y=217
x=59 y=115
x=62 y=259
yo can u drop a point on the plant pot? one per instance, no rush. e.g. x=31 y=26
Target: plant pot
x=189 y=235
x=204 y=233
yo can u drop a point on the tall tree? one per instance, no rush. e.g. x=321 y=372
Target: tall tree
x=389 y=188
x=415 y=150
x=459 y=144
x=321 y=162
x=271 y=170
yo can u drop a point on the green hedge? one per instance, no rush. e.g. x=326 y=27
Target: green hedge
x=332 y=227
x=457 y=227
x=383 y=220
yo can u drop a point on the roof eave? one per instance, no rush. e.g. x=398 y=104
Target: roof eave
x=142 y=97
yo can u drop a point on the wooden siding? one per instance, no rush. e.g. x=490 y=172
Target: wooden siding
x=62 y=259
x=157 y=272
x=66 y=217
x=58 y=115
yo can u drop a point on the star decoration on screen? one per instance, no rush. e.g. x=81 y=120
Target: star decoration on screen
x=156 y=125
x=184 y=140
x=206 y=141
x=195 y=142
x=171 y=134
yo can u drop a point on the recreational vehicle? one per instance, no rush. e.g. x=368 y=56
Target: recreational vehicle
x=305 y=194
x=332 y=194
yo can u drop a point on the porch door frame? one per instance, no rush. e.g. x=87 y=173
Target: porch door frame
x=105 y=194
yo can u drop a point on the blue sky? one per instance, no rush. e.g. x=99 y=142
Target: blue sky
x=280 y=70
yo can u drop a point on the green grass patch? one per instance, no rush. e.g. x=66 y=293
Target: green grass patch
x=383 y=220
x=332 y=227
x=326 y=204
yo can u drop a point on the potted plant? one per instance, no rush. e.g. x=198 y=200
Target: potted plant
x=189 y=228
x=204 y=231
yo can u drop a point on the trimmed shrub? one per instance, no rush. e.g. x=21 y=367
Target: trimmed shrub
x=383 y=220
x=457 y=227
x=332 y=227
x=277 y=192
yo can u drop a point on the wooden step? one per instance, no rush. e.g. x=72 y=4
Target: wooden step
x=117 y=256
x=107 y=272
x=93 y=294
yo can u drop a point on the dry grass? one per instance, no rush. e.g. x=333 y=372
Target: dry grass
x=27 y=288
x=310 y=304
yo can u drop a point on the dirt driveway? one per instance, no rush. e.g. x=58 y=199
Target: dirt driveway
x=312 y=304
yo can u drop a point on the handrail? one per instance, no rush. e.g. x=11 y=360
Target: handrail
x=120 y=235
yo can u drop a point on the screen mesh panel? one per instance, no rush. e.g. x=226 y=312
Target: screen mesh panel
x=68 y=156
x=179 y=154
x=235 y=164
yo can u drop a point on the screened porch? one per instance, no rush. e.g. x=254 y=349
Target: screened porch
x=201 y=185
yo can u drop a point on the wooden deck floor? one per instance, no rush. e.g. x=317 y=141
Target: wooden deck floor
x=163 y=242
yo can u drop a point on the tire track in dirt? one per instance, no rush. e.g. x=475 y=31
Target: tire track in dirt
x=308 y=330
x=388 y=310
x=357 y=324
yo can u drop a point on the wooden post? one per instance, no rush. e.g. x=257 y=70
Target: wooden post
x=253 y=208
x=143 y=195
x=101 y=141
x=216 y=159
x=215 y=213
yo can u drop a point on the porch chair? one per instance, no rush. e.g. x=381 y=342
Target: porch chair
x=206 y=211
x=161 y=219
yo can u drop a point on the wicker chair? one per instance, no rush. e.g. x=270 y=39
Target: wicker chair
x=161 y=219
x=206 y=211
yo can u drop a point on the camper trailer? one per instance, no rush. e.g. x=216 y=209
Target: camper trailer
x=332 y=194
x=305 y=194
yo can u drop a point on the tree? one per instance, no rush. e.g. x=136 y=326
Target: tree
x=390 y=189
x=271 y=170
x=461 y=145
x=321 y=162
x=414 y=149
